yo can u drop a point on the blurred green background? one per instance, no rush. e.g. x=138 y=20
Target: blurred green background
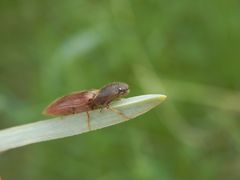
x=188 y=50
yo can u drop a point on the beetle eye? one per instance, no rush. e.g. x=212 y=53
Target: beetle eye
x=120 y=90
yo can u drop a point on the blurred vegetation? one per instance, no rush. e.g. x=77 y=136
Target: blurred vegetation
x=188 y=50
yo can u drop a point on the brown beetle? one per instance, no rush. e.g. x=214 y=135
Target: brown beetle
x=84 y=101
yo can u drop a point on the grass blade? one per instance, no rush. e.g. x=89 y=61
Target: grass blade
x=70 y=125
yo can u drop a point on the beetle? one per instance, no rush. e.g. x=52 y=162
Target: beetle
x=88 y=100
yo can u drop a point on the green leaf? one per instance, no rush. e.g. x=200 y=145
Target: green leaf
x=70 y=125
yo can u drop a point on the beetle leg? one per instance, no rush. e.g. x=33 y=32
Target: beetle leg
x=103 y=107
x=118 y=112
x=88 y=121
x=73 y=110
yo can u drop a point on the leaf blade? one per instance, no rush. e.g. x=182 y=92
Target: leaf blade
x=75 y=124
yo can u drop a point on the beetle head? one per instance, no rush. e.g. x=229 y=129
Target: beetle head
x=111 y=92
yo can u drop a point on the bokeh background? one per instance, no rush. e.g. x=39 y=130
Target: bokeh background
x=188 y=50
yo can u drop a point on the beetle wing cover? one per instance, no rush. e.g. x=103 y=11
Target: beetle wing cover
x=73 y=103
